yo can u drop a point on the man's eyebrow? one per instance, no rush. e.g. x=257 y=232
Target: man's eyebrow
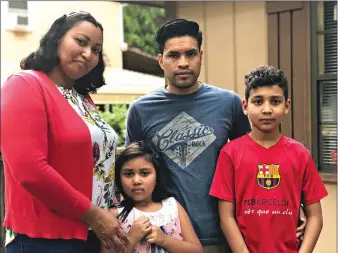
x=192 y=50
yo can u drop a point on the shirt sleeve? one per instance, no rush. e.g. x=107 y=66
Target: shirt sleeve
x=313 y=189
x=223 y=185
x=134 y=128
x=240 y=123
x=24 y=146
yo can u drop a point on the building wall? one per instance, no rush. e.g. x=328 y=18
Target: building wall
x=327 y=242
x=235 y=41
x=17 y=45
x=233 y=44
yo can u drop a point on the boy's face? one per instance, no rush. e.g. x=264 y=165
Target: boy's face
x=266 y=107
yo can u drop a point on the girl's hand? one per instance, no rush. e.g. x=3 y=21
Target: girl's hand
x=156 y=236
x=140 y=228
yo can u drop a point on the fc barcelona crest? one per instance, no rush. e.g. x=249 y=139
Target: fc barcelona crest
x=268 y=176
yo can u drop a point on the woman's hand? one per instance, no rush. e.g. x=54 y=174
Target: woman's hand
x=107 y=228
x=140 y=228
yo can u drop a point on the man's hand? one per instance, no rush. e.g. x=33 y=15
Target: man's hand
x=140 y=228
x=156 y=236
x=301 y=229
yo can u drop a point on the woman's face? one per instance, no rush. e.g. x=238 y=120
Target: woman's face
x=79 y=50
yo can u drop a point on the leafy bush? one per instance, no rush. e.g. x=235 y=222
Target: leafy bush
x=116 y=118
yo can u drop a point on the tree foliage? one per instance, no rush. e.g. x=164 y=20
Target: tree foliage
x=116 y=118
x=140 y=26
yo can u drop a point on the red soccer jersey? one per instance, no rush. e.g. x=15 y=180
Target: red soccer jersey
x=267 y=186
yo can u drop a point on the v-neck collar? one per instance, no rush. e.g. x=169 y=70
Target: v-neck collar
x=277 y=144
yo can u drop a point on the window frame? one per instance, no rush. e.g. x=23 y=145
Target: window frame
x=25 y=28
x=316 y=79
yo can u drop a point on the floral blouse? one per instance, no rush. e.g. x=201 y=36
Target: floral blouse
x=104 y=143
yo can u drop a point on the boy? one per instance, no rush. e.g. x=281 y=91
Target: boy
x=261 y=178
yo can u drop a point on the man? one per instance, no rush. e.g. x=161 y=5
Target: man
x=189 y=122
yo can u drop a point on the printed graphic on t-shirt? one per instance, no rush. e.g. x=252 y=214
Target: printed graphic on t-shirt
x=183 y=139
x=268 y=176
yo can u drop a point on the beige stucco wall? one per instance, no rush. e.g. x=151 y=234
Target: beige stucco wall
x=15 y=46
x=234 y=39
x=327 y=242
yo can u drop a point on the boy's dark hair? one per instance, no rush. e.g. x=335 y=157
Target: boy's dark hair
x=163 y=178
x=265 y=75
x=46 y=58
x=178 y=28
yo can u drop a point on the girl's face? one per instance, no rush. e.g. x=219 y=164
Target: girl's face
x=138 y=179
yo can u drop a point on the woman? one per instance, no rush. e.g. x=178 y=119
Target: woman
x=58 y=153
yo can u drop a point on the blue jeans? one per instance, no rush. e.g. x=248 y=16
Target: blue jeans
x=25 y=244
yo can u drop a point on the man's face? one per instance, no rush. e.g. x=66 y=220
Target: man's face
x=181 y=62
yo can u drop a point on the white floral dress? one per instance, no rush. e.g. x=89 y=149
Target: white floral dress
x=104 y=143
x=166 y=218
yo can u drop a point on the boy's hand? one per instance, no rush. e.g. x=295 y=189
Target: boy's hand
x=301 y=229
x=140 y=228
x=156 y=236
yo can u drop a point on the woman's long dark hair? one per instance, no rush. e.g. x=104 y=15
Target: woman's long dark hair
x=46 y=58
x=163 y=178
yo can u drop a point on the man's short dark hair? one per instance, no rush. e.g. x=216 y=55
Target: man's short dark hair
x=178 y=28
x=263 y=76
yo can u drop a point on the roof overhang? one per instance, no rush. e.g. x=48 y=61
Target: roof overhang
x=136 y=60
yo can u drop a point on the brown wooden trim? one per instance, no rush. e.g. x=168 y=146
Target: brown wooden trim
x=170 y=10
x=273 y=45
x=275 y=7
x=285 y=64
x=329 y=178
x=301 y=77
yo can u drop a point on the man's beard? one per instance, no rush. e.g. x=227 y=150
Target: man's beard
x=183 y=84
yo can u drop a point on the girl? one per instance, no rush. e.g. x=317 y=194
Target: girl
x=153 y=221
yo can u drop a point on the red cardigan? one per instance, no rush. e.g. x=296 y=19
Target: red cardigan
x=48 y=159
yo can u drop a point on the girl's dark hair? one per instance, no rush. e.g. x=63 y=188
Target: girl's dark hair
x=46 y=58
x=163 y=178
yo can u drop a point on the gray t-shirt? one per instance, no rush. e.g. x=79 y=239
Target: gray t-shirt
x=190 y=131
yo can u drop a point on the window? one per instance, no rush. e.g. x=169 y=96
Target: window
x=324 y=88
x=18 y=19
x=17 y=6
